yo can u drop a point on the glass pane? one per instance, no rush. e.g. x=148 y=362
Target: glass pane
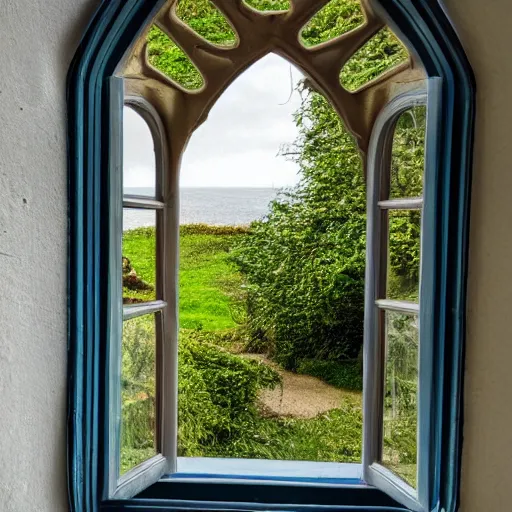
x=217 y=31
x=380 y=54
x=403 y=272
x=408 y=154
x=139 y=255
x=138 y=397
x=268 y=5
x=400 y=415
x=139 y=167
x=331 y=21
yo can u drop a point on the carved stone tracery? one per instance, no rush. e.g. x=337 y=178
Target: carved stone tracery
x=259 y=33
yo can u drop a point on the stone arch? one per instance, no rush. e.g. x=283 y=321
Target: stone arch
x=182 y=111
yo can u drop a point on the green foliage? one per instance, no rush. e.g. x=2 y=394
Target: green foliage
x=218 y=413
x=332 y=437
x=172 y=61
x=380 y=54
x=209 y=285
x=137 y=391
x=406 y=180
x=205 y=19
x=207 y=229
x=216 y=394
x=269 y=5
x=400 y=398
x=346 y=375
x=305 y=262
x=139 y=246
x=333 y=20
x=404 y=244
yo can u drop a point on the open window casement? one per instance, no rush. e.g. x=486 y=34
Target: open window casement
x=407 y=485
x=155 y=326
x=398 y=338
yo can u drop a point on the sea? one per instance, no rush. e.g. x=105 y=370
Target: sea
x=220 y=206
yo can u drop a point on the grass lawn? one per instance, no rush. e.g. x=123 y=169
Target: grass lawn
x=209 y=285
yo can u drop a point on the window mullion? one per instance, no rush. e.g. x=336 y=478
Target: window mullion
x=400 y=306
x=130 y=201
x=406 y=203
x=135 y=310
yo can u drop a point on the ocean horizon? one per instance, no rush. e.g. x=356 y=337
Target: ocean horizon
x=221 y=206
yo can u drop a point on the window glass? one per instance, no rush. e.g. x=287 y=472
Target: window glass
x=168 y=58
x=139 y=255
x=380 y=54
x=408 y=154
x=400 y=415
x=403 y=266
x=138 y=394
x=212 y=25
x=139 y=167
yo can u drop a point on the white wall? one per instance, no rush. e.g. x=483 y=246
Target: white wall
x=484 y=28
x=37 y=40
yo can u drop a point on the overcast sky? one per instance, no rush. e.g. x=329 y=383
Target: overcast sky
x=238 y=144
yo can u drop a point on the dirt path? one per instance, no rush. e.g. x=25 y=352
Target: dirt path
x=299 y=396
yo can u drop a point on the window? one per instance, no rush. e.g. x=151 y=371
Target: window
x=397 y=351
x=142 y=354
x=97 y=322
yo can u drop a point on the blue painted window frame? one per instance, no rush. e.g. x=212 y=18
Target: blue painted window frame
x=116 y=24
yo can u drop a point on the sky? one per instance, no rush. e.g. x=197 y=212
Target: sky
x=238 y=145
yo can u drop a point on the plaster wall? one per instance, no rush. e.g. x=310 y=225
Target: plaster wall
x=484 y=28
x=37 y=41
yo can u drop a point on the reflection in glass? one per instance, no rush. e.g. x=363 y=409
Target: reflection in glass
x=139 y=167
x=138 y=401
x=139 y=255
x=399 y=450
x=403 y=255
x=408 y=154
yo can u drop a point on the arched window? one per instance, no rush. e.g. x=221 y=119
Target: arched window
x=113 y=71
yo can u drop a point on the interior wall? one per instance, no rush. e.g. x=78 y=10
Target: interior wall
x=484 y=28
x=37 y=41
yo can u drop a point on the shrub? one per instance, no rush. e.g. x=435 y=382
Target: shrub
x=304 y=263
x=217 y=394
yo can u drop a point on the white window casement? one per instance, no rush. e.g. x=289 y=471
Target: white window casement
x=387 y=362
x=154 y=319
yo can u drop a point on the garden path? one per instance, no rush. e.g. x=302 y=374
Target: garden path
x=299 y=396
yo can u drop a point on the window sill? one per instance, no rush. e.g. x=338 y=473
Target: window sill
x=266 y=471
x=247 y=484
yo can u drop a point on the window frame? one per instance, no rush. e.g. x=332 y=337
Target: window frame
x=115 y=26
x=135 y=479
x=379 y=168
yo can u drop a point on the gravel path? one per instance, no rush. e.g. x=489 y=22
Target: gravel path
x=299 y=396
